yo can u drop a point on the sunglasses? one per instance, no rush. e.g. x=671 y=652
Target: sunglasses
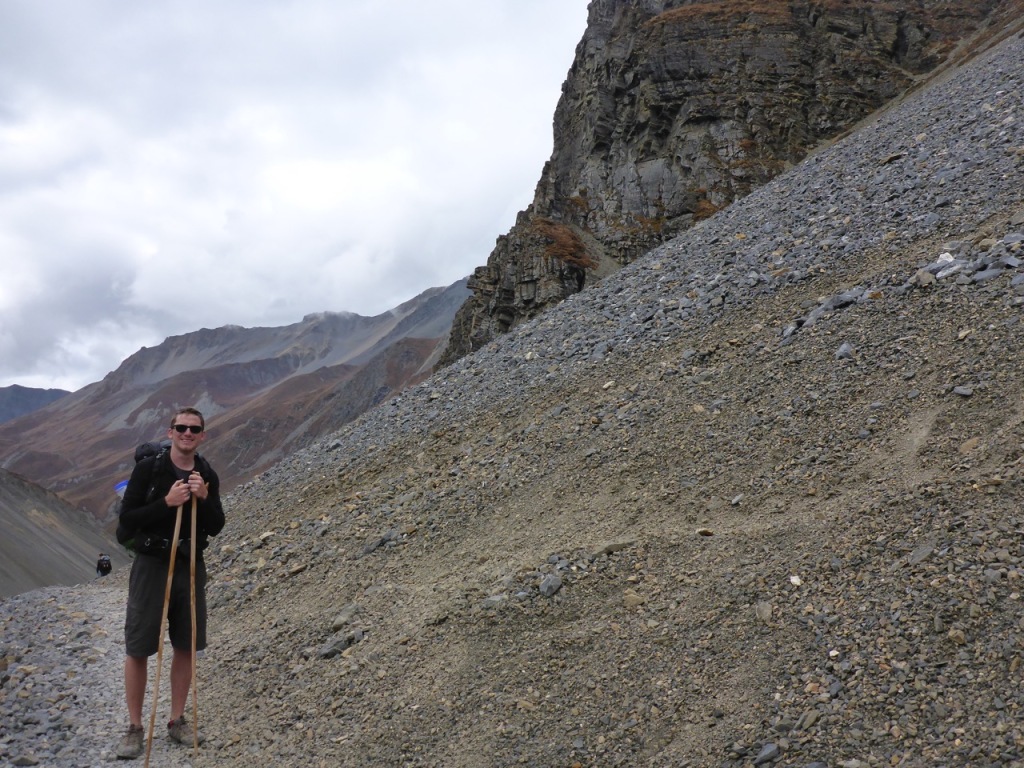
x=195 y=429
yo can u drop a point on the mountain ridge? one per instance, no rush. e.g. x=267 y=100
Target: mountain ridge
x=81 y=445
x=16 y=400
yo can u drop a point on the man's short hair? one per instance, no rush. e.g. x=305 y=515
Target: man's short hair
x=191 y=412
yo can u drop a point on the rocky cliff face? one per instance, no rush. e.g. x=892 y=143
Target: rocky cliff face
x=672 y=110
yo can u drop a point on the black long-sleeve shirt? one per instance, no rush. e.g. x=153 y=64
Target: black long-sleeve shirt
x=155 y=518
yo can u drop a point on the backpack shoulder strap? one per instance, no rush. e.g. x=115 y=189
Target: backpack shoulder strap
x=159 y=463
x=204 y=467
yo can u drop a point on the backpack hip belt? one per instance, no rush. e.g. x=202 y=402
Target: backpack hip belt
x=155 y=545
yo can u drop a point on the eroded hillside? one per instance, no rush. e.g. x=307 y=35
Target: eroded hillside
x=46 y=541
x=755 y=499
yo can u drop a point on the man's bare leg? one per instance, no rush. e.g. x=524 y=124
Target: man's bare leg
x=181 y=679
x=135 y=672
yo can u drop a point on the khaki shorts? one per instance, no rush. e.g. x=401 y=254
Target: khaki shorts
x=147 y=586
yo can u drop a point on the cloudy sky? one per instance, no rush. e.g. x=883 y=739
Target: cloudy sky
x=168 y=165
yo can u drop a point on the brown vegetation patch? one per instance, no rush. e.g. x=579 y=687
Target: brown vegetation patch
x=563 y=243
x=705 y=209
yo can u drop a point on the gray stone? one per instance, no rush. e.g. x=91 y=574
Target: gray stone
x=550 y=584
x=768 y=753
x=345 y=616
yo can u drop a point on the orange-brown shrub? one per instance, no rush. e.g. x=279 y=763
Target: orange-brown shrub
x=704 y=209
x=563 y=243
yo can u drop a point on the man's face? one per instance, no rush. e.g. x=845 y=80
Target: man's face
x=186 y=441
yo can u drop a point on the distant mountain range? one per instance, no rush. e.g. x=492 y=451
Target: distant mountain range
x=17 y=400
x=265 y=392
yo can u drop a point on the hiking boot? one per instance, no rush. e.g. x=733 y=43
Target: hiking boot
x=180 y=730
x=131 y=743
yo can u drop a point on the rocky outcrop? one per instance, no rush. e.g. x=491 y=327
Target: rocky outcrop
x=672 y=110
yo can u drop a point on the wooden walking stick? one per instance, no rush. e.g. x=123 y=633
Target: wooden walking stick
x=192 y=578
x=163 y=620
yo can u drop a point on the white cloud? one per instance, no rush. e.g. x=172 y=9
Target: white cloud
x=171 y=166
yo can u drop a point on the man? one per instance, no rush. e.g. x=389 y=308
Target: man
x=103 y=565
x=158 y=486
